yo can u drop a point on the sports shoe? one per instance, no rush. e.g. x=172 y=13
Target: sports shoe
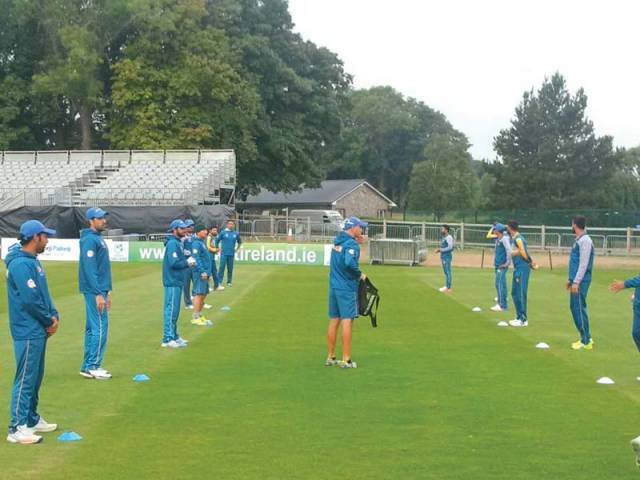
x=330 y=362
x=348 y=364
x=229 y=285
x=43 y=427
x=518 y=323
x=182 y=343
x=189 y=307
x=219 y=287
x=100 y=374
x=207 y=306
x=497 y=308
x=171 y=344
x=24 y=436
x=442 y=289
x=635 y=444
x=86 y=374
x=579 y=345
x=200 y=322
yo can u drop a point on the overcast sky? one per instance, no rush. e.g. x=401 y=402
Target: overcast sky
x=473 y=59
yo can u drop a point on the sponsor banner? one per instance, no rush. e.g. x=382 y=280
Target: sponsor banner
x=61 y=249
x=260 y=253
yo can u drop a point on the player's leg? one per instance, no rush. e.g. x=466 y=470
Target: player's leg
x=635 y=331
x=586 y=328
x=187 y=289
x=27 y=368
x=167 y=315
x=348 y=306
x=447 y=273
x=91 y=335
x=223 y=264
x=230 y=261
x=36 y=422
x=332 y=331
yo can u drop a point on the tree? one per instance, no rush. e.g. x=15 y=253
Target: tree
x=445 y=180
x=550 y=157
x=384 y=135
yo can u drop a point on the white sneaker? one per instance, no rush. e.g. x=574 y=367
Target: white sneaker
x=85 y=374
x=24 y=436
x=43 y=427
x=442 y=289
x=635 y=444
x=518 y=323
x=207 y=306
x=189 y=307
x=220 y=287
x=100 y=374
x=497 y=308
x=170 y=344
x=181 y=342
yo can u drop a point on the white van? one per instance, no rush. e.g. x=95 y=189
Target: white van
x=322 y=221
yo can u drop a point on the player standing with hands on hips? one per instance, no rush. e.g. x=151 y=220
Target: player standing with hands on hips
x=446 y=256
x=344 y=278
x=33 y=319
x=95 y=285
x=229 y=242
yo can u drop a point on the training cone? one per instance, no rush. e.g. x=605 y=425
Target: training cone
x=141 y=377
x=503 y=324
x=476 y=309
x=69 y=437
x=226 y=309
x=605 y=381
x=542 y=345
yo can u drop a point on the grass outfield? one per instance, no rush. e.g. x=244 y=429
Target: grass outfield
x=441 y=392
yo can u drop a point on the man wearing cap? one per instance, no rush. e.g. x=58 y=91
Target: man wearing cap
x=95 y=285
x=174 y=266
x=200 y=274
x=502 y=260
x=446 y=257
x=229 y=242
x=32 y=319
x=186 y=245
x=344 y=278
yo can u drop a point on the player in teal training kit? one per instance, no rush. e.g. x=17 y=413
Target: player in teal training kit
x=200 y=274
x=502 y=261
x=32 y=319
x=521 y=273
x=95 y=285
x=580 y=271
x=174 y=266
x=229 y=242
x=446 y=256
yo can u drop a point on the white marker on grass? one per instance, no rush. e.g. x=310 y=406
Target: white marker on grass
x=542 y=345
x=476 y=309
x=605 y=381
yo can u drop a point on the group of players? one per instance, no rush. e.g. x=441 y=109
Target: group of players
x=511 y=248
x=189 y=264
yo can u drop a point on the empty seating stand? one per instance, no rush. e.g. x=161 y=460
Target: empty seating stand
x=110 y=177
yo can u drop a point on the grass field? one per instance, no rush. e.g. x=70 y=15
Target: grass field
x=441 y=392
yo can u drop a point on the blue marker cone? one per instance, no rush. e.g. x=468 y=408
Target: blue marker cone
x=141 y=377
x=226 y=309
x=69 y=437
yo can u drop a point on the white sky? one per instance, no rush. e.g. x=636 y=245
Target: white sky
x=473 y=59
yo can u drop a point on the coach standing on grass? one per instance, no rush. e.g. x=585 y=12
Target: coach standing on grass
x=32 y=319
x=580 y=270
x=95 y=285
x=521 y=273
x=446 y=257
x=344 y=277
x=229 y=242
x=174 y=268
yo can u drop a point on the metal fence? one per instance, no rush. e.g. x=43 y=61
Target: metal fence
x=607 y=241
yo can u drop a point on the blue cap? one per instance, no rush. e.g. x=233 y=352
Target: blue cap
x=31 y=228
x=351 y=222
x=177 y=223
x=498 y=227
x=189 y=223
x=96 y=212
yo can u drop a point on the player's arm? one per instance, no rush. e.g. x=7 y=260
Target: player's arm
x=238 y=241
x=507 y=247
x=25 y=279
x=351 y=258
x=176 y=261
x=211 y=245
x=490 y=234
x=520 y=250
x=449 y=244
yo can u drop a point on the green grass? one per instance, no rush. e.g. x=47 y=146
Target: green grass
x=441 y=392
